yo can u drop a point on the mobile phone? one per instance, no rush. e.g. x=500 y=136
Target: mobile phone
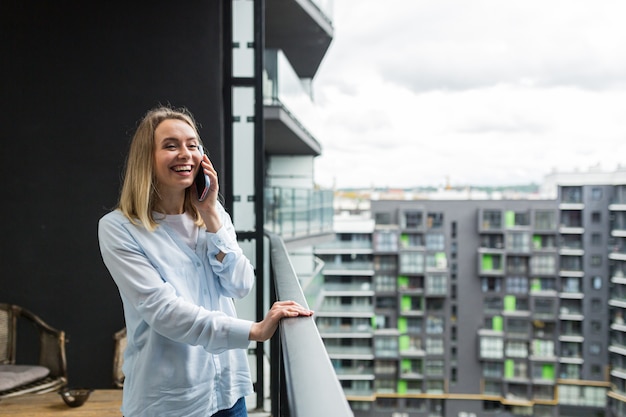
x=202 y=181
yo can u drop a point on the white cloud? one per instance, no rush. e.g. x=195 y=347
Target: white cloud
x=482 y=92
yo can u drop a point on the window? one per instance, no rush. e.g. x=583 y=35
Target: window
x=434 y=367
x=572 y=194
x=436 y=284
x=596 y=239
x=492 y=220
x=543 y=264
x=596 y=283
x=382 y=218
x=492 y=370
x=515 y=349
x=412 y=220
x=596 y=260
x=434 y=346
x=491 y=284
x=384 y=283
x=435 y=220
x=596 y=193
x=411 y=262
x=596 y=305
x=596 y=217
x=517 y=285
x=491 y=347
x=545 y=220
x=386 y=241
x=518 y=242
x=435 y=241
x=595 y=348
x=434 y=325
x=411 y=240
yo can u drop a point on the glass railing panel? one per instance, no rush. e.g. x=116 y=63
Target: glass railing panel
x=298 y=212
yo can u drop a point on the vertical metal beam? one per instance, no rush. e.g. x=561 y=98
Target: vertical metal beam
x=235 y=87
x=259 y=180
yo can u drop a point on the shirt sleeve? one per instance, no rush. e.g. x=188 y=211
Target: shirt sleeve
x=234 y=271
x=156 y=301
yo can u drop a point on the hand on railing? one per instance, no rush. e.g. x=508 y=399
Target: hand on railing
x=263 y=330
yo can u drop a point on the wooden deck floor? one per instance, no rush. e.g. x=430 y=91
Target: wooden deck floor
x=101 y=403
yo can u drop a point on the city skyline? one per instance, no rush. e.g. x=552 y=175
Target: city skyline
x=482 y=93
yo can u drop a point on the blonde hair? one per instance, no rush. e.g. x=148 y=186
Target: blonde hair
x=139 y=193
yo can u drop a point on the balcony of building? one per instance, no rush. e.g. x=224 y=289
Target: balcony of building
x=345 y=244
x=353 y=370
x=410 y=284
x=344 y=327
x=571 y=309
x=544 y=242
x=543 y=287
x=571 y=195
x=385 y=239
x=571 y=287
x=490 y=262
x=353 y=265
x=490 y=221
x=617 y=248
x=410 y=346
x=346 y=306
x=289 y=112
x=618 y=223
x=542 y=351
x=411 y=304
x=571 y=222
x=302 y=29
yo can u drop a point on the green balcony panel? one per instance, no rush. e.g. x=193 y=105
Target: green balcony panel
x=509 y=368
x=404 y=342
x=373 y=321
x=537 y=242
x=405 y=365
x=402 y=386
x=402 y=325
x=487 y=262
x=547 y=371
x=403 y=282
x=404 y=240
x=535 y=284
x=509 y=218
x=509 y=303
x=406 y=303
x=497 y=323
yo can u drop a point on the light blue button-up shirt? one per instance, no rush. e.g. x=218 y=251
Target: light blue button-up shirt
x=185 y=352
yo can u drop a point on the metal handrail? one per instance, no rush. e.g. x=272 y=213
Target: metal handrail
x=306 y=376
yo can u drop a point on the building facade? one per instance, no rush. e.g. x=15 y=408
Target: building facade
x=481 y=307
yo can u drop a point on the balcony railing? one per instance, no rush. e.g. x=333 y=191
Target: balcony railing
x=303 y=373
x=297 y=212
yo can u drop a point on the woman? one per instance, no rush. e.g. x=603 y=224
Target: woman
x=177 y=265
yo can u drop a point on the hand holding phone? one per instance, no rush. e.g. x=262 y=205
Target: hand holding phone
x=202 y=181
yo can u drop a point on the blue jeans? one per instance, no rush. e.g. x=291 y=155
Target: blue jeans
x=238 y=410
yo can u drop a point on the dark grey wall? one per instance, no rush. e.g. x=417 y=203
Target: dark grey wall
x=75 y=77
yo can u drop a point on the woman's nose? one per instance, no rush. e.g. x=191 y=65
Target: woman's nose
x=184 y=153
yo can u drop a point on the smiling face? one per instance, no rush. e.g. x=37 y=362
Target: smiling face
x=177 y=157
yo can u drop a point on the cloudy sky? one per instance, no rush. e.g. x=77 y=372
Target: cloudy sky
x=481 y=92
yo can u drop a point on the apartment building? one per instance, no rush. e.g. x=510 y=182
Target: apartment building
x=482 y=307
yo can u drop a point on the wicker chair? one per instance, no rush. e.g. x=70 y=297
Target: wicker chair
x=49 y=374
x=118 y=358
